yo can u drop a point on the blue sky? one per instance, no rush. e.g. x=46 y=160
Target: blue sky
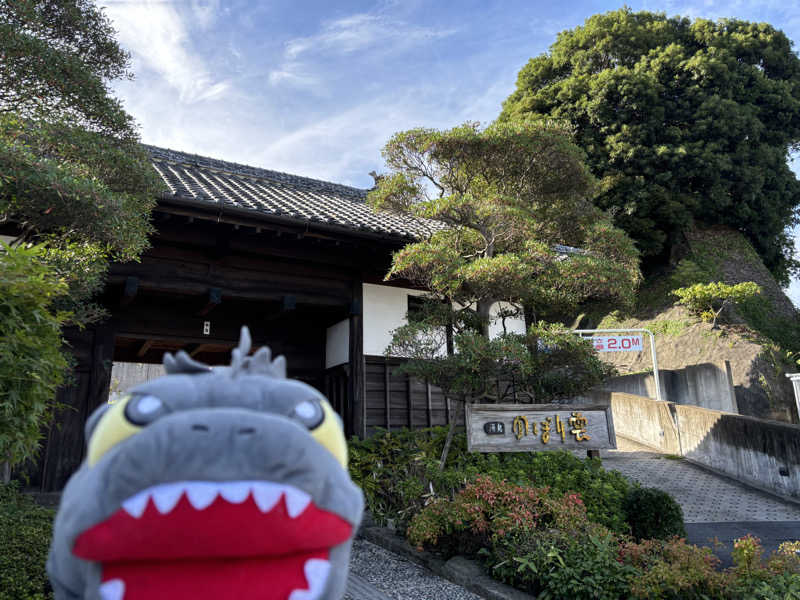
x=316 y=88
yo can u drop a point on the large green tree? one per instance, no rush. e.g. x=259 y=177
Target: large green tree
x=681 y=120
x=74 y=183
x=72 y=173
x=517 y=227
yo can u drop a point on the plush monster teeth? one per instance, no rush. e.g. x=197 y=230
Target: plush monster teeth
x=266 y=495
x=166 y=496
x=316 y=571
x=201 y=494
x=296 y=501
x=113 y=589
x=135 y=505
x=235 y=492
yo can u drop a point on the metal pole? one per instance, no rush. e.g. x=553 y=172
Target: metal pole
x=655 y=364
x=795 y=378
x=652 y=349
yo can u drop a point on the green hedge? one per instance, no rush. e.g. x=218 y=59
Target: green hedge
x=399 y=473
x=25 y=532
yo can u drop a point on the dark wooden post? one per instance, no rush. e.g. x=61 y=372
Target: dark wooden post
x=428 y=399
x=356 y=410
x=409 y=401
x=65 y=446
x=387 y=394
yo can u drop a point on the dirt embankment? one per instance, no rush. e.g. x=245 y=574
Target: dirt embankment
x=758 y=364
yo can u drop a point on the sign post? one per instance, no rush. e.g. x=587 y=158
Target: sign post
x=536 y=427
x=626 y=343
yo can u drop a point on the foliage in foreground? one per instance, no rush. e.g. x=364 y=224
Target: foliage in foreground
x=32 y=365
x=74 y=176
x=399 y=473
x=25 y=531
x=545 y=544
x=653 y=513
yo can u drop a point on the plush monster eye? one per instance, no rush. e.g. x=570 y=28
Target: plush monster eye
x=309 y=413
x=142 y=410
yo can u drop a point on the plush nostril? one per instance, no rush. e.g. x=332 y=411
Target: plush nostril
x=199 y=428
x=246 y=430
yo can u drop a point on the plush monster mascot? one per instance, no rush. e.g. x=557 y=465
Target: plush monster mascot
x=209 y=484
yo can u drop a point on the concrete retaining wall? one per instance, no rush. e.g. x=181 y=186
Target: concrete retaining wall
x=762 y=453
x=706 y=385
x=646 y=421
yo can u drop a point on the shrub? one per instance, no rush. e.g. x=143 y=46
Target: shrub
x=674 y=569
x=486 y=511
x=25 y=531
x=32 y=365
x=653 y=513
x=568 y=564
x=399 y=473
x=709 y=299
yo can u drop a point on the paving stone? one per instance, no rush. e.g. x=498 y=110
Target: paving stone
x=704 y=496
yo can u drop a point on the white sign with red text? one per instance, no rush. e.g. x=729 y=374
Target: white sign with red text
x=618 y=343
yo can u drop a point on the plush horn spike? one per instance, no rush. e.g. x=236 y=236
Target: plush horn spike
x=188 y=365
x=279 y=367
x=170 y=365
x=260 y=361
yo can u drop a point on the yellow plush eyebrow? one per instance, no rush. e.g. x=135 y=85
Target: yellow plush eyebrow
x=330 y=435
x=110 y=431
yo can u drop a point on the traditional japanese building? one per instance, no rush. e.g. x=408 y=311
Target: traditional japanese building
x=298 y=260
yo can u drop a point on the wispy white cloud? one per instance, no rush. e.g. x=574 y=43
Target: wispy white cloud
x=376 y=34
x=360 y=31
x=158 y=37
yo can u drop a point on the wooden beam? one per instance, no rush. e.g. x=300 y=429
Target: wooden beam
x=387 y=393
x=213 y=300
x=356 y=406
x=409 y=402
x=129 y=290
x=428 y=398
x=144 y=348
x=197 y=349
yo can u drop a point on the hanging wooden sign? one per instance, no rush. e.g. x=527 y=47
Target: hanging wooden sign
x=534 y=427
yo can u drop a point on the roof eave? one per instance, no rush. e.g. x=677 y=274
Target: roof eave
x=221 y=211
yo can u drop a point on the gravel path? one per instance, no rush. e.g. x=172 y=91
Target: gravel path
x=398 y=578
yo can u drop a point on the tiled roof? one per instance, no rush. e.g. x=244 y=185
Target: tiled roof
x=270 y=193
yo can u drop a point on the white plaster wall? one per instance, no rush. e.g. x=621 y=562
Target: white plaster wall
x=385 y=309
x=513 y=324
x=337 y=344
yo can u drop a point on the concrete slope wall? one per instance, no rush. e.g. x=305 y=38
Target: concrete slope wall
x=761 y=453
x=706 y=385
x=756 y=451
x=646 y=421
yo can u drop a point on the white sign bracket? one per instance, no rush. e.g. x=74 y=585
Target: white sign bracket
x=657 y=379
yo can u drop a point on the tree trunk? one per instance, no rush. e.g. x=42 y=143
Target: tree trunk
x=449 y=440
x=484 y=308
x=6 y=471
x=449 y=329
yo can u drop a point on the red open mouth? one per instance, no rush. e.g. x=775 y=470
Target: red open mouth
x=199 y=539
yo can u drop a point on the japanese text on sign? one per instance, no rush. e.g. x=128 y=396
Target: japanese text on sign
x=577 y=427
x=618 y=343
x=538 y=427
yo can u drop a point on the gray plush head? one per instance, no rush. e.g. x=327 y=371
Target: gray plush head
x=209 y=483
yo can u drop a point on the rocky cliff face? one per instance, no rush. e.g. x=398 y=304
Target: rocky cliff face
x=756 y=340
